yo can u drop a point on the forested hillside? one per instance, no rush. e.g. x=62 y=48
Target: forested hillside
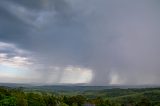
x=106 y=97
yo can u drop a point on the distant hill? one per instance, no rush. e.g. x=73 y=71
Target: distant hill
x=72 y=87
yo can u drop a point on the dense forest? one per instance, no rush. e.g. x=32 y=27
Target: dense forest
x=107 y=97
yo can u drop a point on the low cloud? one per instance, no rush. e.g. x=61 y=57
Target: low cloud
x=10 y=55
x=17 y=65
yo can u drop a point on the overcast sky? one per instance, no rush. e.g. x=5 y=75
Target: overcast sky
x=97 y=42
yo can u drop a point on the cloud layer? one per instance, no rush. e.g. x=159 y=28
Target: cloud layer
x=78 y=41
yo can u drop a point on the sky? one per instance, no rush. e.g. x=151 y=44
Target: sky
x=92 y=42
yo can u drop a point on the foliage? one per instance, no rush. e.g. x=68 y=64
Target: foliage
x=108 y=97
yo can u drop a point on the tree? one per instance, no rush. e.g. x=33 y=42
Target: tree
x=144 y=102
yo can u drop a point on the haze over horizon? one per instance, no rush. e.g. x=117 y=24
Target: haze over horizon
x=97 y=42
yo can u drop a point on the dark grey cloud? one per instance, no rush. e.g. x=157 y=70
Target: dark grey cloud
x=118 y=40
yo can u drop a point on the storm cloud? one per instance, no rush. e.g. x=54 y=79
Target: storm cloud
x=98 y=42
